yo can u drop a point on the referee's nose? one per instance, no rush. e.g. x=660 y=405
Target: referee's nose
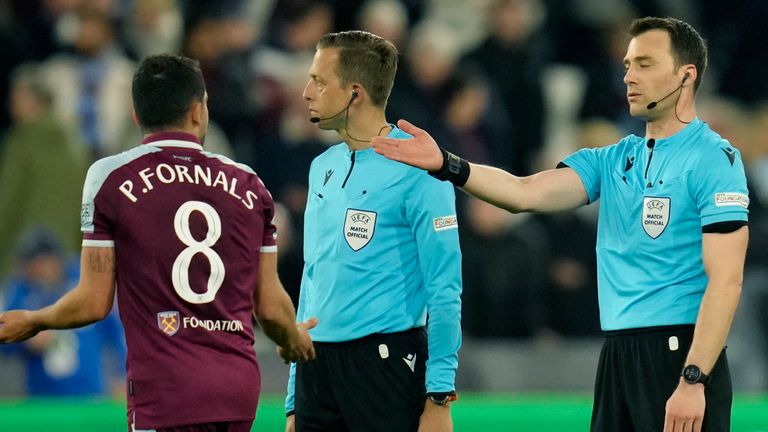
x=306 y=94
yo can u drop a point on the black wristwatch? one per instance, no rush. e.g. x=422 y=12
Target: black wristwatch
x=442 y=398
x=693 y=375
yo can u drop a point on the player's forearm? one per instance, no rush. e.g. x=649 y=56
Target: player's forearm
x=74 y=309
x=714 y=322
x=278 y=319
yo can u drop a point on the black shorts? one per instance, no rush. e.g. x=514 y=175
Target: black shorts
x=371 y=384
x=637 y=373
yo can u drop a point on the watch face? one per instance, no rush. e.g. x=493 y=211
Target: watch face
x=691 y=373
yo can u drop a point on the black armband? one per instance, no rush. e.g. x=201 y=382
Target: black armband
x=454 y=169
x=723 y=227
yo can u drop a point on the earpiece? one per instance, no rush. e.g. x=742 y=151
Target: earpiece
x=354 y=94
x=686 y=76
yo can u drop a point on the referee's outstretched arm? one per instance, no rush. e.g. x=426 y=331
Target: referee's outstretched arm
x=547 y=191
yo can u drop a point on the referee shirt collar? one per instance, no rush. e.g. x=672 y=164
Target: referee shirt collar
x=681 y=136
x=173 y=139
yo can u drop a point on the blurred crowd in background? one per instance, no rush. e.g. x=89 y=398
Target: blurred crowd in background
x=512 y=83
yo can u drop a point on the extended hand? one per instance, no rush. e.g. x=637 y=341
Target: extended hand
x=685 y=409
x=436 y=418
x=301 y=349
x=16 y=326
x=420 y=151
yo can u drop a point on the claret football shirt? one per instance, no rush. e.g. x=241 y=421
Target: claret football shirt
x=188 y=227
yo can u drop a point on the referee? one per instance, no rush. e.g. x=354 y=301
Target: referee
x=382 y=268
x=671 y=239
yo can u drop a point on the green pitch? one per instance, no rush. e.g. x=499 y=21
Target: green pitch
x=477 y=412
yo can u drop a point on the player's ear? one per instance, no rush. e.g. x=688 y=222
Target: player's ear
x=135 y=118
x=195 y=114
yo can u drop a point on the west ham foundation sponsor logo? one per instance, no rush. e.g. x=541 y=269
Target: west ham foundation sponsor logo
x=213 y=325
x=359 y=226
x=655 y=215
x=171 y=321
x=168 y=322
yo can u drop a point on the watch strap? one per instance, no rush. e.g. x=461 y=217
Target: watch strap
x=442 y=398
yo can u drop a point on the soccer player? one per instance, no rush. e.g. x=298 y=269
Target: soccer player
x=188 y=238
x=671 y=240
x=382 y=266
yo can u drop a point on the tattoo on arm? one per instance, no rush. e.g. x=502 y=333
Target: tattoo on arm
x=102 y=262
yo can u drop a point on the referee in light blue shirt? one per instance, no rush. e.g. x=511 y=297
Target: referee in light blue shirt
x=671 y=241
x=382 y=268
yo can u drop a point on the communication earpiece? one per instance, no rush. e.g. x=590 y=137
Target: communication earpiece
x=685 y=77
x=354 y=94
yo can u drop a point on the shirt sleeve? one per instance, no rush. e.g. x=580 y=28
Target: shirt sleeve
x=586 y=163
x=431 y=210
x=291 y=395
x=269 y=240
x=718 y=185
x=291 y=389
x=300 y=312
x=95 y=212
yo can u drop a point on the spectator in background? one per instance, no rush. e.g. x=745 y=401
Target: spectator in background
x=286 y=141
x=154 y=27
x=422 y=82
x=504 y=272
x=92 y=86
x=512 y=58
x=605 y=95
x=89 y=361
x=386 y=18
x=477 y=119
x=42 y=168
x=222 y=40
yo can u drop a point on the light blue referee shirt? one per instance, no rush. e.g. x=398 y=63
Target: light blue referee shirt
x=653 y=206
x=381 y=251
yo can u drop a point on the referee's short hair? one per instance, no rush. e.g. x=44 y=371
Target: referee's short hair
x=364 y=58
x=688 y=47
x=164 y=88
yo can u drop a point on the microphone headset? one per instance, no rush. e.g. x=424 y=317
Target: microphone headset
x=652 y=105
x=346 y=120
x=345 y=109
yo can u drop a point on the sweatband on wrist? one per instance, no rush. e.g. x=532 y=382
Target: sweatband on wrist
x=454 y=169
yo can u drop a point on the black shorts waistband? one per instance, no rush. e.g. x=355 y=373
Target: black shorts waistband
x=370 y=338
x=649 y=330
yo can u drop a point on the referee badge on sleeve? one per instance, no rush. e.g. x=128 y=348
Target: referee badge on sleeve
x=359 y=226
x=655 y=214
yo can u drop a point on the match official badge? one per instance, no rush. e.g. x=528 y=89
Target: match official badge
x=168 y=322
x=359 y=226
x=655 y=215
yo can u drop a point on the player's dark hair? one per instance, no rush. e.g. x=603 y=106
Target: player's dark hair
x=164 y=88
x=364 y=58
x=688 y=47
